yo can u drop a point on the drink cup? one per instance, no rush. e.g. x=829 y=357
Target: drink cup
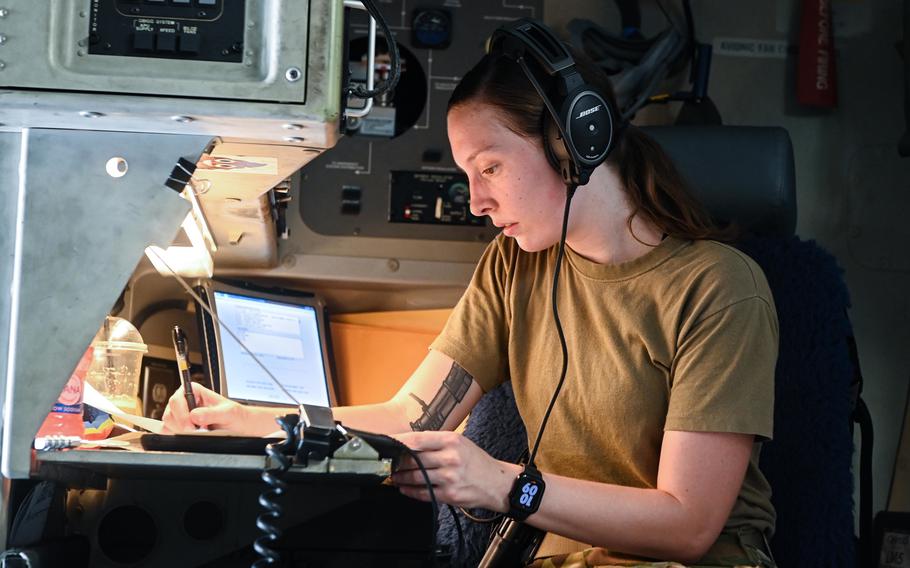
x=117 y=364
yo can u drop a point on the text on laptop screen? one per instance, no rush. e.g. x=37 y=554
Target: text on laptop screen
x=284 y=337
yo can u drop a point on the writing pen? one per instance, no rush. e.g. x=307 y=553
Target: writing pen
x=180 y=348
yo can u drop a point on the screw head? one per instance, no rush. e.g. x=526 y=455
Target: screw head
x=293 y=74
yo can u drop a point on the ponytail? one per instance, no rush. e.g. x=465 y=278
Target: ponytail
x=658 y=193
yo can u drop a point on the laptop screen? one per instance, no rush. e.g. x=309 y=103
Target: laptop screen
x=285 y=336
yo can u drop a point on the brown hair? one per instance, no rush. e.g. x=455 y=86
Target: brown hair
x=655 y=188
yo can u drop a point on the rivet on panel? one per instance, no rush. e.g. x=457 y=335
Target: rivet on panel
x=293 y=74
x=116 y=167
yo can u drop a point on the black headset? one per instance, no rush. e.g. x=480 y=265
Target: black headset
x=579 y=126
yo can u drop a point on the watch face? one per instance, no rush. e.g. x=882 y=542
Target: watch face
x=528 y=494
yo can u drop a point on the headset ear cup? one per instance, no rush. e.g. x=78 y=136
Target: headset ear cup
x=589 y=125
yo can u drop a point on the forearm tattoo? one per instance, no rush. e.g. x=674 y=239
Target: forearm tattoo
x=452 y=391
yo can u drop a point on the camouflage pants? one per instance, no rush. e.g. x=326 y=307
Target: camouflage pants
x=744 y=550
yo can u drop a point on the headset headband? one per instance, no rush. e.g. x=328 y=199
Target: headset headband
x=576 y=141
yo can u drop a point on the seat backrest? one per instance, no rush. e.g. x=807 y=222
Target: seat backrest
x=747 y=175
x=744 y=174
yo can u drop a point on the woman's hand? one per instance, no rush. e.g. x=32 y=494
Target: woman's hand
x=461 y=473
x=212 y=411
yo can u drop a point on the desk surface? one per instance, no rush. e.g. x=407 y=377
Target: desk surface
x=59 y=465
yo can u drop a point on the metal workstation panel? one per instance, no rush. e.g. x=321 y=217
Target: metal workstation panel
x=86 y=83
x=239 y=69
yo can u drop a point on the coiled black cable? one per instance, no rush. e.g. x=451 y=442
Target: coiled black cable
x=266 y=521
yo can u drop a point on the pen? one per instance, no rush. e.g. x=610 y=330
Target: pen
x=182 y=352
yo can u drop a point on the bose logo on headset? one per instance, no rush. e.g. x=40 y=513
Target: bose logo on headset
x=574 y=149
x=585 y=113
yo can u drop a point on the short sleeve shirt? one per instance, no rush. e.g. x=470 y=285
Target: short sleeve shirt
x=682 y=338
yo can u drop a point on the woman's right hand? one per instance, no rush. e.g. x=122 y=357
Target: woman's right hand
x=212 y=411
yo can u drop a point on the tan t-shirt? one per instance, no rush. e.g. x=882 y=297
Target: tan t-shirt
x=682 y=338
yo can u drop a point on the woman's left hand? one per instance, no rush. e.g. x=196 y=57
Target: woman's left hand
x=461 y=473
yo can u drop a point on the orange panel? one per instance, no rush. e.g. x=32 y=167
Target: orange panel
x=373 y=359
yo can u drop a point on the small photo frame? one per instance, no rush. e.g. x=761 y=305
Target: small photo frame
x=892 y=539
x=159 y=381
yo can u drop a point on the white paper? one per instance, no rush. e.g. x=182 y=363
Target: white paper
x=99 y=401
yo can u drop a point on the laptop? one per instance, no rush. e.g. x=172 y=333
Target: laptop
x=285 y=329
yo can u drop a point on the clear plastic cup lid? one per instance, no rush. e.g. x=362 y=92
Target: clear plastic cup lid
x=118 y=334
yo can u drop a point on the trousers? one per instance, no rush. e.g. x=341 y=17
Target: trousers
x=745 y=548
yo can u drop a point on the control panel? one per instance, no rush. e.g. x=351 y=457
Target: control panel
x=204 y=30
x=431 y=198
x=392 y=175
x=268 y=51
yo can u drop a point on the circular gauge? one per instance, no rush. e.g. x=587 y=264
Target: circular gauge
x=458 y=193
x=431 y=29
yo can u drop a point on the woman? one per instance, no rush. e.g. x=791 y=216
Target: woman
x=651 y=452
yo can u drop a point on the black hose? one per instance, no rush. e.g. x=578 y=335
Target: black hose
x=395 y=71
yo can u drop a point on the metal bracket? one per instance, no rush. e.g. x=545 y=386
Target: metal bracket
x=371 y=63
x=81 y=208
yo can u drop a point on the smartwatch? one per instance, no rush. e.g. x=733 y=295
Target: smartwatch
x=526 y=493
